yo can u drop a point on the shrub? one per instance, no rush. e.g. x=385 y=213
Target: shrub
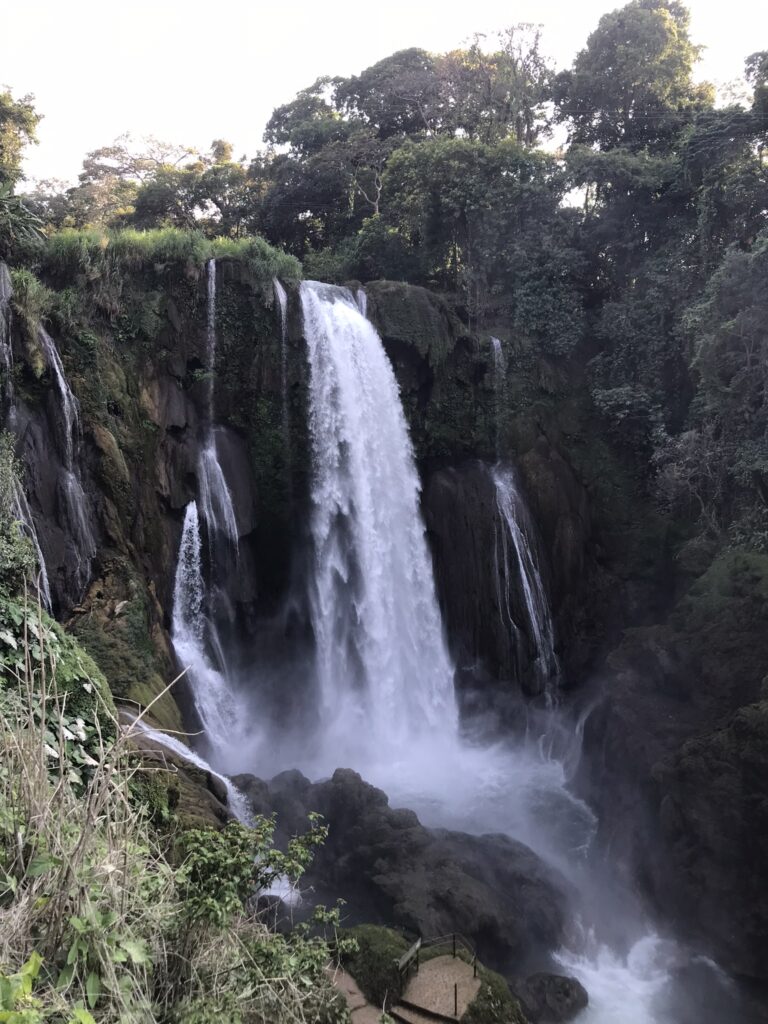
x=16 y=553
x=372 y=963
x=96 y=923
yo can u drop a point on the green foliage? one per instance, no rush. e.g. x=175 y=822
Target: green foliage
x=494 y=1003
x=32 y=301
x=16 y=553
x=123 y=933
x=18 y=123
x=223 y=869
x=103 y=261
x=632 y=85
x=19 y=224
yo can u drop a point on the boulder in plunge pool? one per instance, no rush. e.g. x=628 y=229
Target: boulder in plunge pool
x=392 y=870
x=551 y=998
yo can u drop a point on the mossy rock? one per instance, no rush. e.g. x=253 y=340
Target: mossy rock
x=118 y=623
x=414 y=316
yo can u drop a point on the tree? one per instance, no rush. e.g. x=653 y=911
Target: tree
x=398 y=96
x=631 y=86
x=491 y=95
x=18 y=125
x=309 y=122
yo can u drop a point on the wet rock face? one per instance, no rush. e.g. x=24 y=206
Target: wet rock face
x=551 y=998
x=462 y=520
x=392 y=870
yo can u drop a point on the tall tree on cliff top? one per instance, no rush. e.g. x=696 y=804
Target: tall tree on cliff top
x=631 y=86
x=18 y=125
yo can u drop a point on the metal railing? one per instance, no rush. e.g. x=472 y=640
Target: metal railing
x=453 y=941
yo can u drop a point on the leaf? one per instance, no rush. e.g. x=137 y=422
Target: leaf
x=40 y=864
x=137 y=951
x=74 y=951
x=65 y=976
x=6 y=994
x=92 y=988
x=9 y=639
x=81 y=1016
x=31 y=968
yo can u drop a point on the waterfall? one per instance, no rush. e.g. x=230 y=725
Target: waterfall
x=6 y=352
x=499 y=380
x=210 y=333
x=382 y=662
x=362 y=301
x=73 y=503
x=193 y=634
x=282 y=303
x=517 y=569
x=69 y=407
x=24 y=516
x=236 y=801
x=215 y=497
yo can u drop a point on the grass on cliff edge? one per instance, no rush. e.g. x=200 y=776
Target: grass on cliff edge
x=92 y=253
x=102 y=918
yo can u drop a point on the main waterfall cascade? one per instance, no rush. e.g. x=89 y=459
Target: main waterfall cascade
x=374 y=612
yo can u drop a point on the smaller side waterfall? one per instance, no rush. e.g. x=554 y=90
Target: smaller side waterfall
x=69 y=406
x=282 y=303
x=210 y=332
x=24 y=516
x=74 y=505
x=236 y=801
x=499 y=380
x=215 y=497
x=192 y=635
x=362 y=301
x=6 y=352
x=517 y=571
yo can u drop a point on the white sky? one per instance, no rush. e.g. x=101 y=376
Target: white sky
x=188 y=73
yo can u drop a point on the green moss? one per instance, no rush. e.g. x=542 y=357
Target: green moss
x=119 y=631
x=373 y=965
x=414 y=316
